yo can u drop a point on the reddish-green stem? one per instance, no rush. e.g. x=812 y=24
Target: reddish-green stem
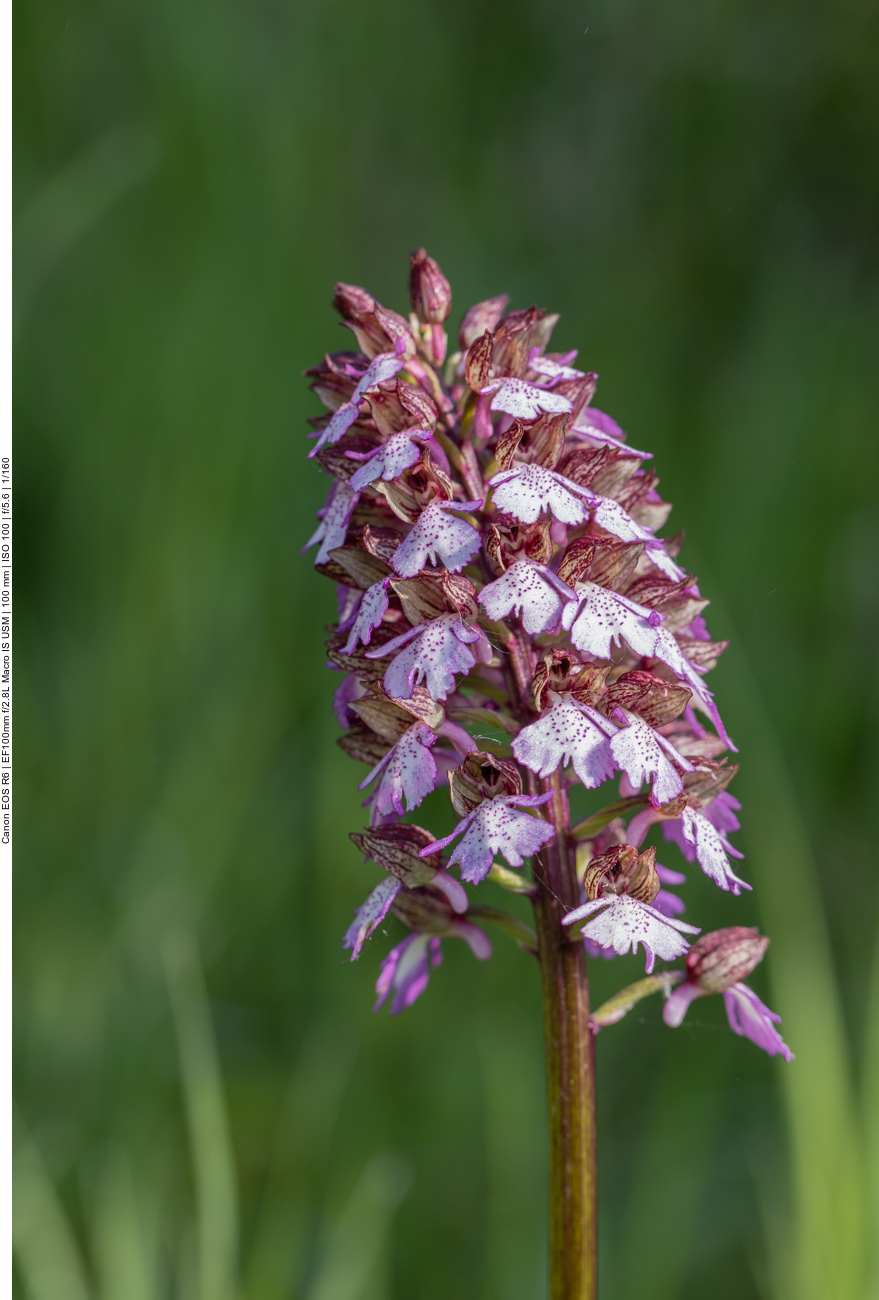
x=570 y=1069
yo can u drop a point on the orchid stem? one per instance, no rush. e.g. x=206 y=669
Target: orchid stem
x=570 y=1073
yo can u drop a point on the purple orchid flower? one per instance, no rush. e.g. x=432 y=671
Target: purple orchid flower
x=602 y=618
x=641 y=752
x=526 y=491
x=370 y=612
x=554 y=645
x=408 y=771
x=748 y=1016
x=334 y=517
x=568 y=732
x=388 y=461
x=437 y=534
x=496 y=826
x=370 y=915
x=524 y=401
x=554 y=370
x=351 y=689
x=622 y=923
x=530 y=589
x=381 y=368
x=721 y=812
x=406 y=969
x=600 y=430
x=717 y=963
x=711 y=848
x=347 y=603
x=433 y=653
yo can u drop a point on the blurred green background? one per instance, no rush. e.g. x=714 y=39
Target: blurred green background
x=206 y=1105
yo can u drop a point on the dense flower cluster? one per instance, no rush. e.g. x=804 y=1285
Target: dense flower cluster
x=510 y=623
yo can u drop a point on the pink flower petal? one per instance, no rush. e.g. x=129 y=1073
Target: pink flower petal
x=603 y=617
x=676 y=1006
x=373 y=608
x=407 y=771
x=524 y=401
x=438 y=534
x=529 y=589
x=497 y=825
x=390 y=460
x=525 y=491
x=382 y=367
x=600 y=430
x=334 y=519
x=554 y=370
x=370 y=915
x=405 y=970
x=435 y=652
x=622 y=923
x=711 y=847
x=569 y=731
x=349 y=691
x=748 y=1016
x=641 y=752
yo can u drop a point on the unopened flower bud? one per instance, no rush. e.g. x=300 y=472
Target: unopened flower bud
x=481 y=317
x=429 y=290
x=378 y=329
x=725 y=957
x=477 y=367
x=579 y=393
x=395 y=406
x=482 y=776
x=427 y=910
x=562 y=670
x=397 y=849
x=518 y=334
x=509 y=539
x=576 y=561
x=460 y=594
x=656 y=700
x=539 y=444
x=614 y=562
x=623 y=870
x=708 y=781
x=348 y=299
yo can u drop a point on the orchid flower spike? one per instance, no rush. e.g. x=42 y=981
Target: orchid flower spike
x=512 y=622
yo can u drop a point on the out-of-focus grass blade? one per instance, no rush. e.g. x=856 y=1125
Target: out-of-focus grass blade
x=217 y=1202
x=298 y=1156
x=124 y=1265
x=829 y=1249
x=830 y=1236
x=358 y=1239
x=45 y=1249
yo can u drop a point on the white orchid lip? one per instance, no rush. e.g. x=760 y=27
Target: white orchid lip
x=624 y=924
x=438 y=536
x=531 y=590
x=524 y=401
x=496 y=826
x=432 y=653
